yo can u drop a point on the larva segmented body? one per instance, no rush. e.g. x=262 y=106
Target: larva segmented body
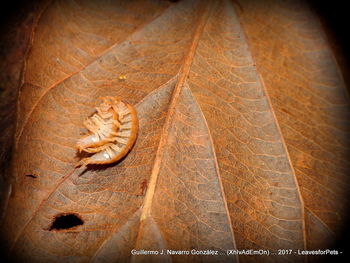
x=113 y=132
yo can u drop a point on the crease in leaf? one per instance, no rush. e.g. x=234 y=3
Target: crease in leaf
x=188 y=166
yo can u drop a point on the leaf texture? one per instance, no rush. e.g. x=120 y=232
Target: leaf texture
x=243 y=132
x=310 y=100
x=259 y=184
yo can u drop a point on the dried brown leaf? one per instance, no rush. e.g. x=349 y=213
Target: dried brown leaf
x=234 y=154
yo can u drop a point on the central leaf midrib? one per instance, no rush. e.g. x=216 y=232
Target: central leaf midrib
x=183 y=74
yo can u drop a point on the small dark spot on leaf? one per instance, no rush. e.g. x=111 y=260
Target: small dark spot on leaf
x=66 y=221
x=32 y=175
x=284 y=110
x=143 y=187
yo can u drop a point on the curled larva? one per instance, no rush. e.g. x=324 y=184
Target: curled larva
x=112 y=132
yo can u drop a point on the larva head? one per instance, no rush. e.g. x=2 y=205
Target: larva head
x=106 y=105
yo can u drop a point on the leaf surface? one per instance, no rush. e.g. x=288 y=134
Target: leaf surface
x=310 y=100
x=226 y=145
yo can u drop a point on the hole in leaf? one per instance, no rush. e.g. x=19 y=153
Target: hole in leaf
x=32 y=175
x=66 y=221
